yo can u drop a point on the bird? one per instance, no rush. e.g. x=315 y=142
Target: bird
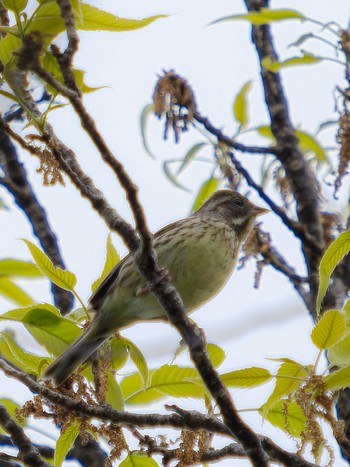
x=199 y=252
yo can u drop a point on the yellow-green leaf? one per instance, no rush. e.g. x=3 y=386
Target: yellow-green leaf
x=289 y=377
x=12 y=407
x=58 y=276
x=15 y=5
x=274 y=66
x=216 y=354
x=13 y=292
x=95 y=19
x=114 y=395
x=329 y=329
x=134 y=391
x=339 y=354
x=23 y=359
x=205 y=191
x=308 y=143
x=112 y=258
x=332 y=257
x=19 y=268
x=65 y=442
x=138 y=460
x=137 y=357
x=8 y=45
x=288 y=416
x=119 y=352
x=338 y=379
x=240 y=105
x=246 y=378
x=264 y=16
x=176 y=381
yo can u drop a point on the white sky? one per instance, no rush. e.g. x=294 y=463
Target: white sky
x=250 y=324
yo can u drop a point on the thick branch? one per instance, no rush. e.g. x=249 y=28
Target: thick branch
x=298 y=172
x=17 y=183
x=27 y=452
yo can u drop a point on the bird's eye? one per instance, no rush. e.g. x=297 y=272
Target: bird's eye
x=239 y=203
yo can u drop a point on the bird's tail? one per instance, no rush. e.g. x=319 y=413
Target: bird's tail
x=79 y=351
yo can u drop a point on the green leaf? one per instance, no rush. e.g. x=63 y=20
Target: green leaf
x=114 y=394
x=190 y=155
x=240 y=110
x=216 y=354
x=338 y=379
x=138 y=460
x=246 y=378
x=12 y=407
x=65 y=442
x=19 y=268
x=58 y=276
x=119 y=353
x=15 y=5
x=308 y=143
x=137 y=357
x=8 y=45
x=134 y=391
x=205 y=191
x=147 y=111
x=51 y=330
x=13 y=292
x=289 y=377
x=288 y=416
x=100 y=20
x=339 y=354
x=176 y=381
x=264 y=16
x=112 y=258
x=274 y=66
x=332 y=257
x=23 y=359
x=266 y=132
x=329 y=329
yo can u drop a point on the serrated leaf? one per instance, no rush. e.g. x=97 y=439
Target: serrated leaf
x=65 y=442
x=190 y=155
x=64 y=279
x=145 y=114
x=95 y=19
x=15 y=5
x=246 y=378
x=288 y=416
x=112 y=258
x=338 y=379
x=138 y=460
x=331 y=258
x=137 y=357
x=264 y=16
x=274 y=66
x=13 y=292
x=308 y=143
x=134 y=391
x=171 y=177
x=176 y=381
x=288 y=378
x=114 y=395
x=240 y=110
x=19 y=268
x=205 y=191
x=8 y=45
x=329 y=329
x=23 y=359
x=216 y=354
x=51 y=331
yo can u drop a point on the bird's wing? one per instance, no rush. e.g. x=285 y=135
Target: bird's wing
x=100 y=293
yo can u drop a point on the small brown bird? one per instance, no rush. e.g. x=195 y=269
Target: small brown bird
x=200 y=252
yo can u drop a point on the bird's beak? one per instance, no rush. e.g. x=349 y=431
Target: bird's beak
x=258 y=211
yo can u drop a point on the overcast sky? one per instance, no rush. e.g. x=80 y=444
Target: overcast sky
x=250 y=324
